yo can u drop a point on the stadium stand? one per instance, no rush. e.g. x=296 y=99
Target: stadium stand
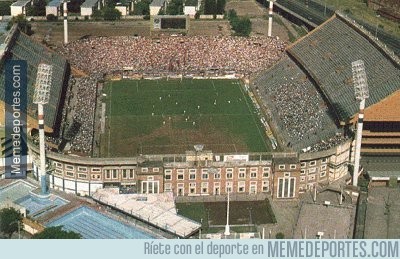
x=325 y=53
x=21 y=47
x=305 y=118
x=309 y=92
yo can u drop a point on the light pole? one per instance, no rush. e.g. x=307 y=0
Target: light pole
x=361 y=93
x=376 y=27
x=41 y=96
x=227 y=229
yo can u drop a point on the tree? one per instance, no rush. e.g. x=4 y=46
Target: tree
x=74 y=6
x=210 y=7
x=9 y=218
x=23 y=24
x=5 y=8
x=220 y=8
x=242 y=26
x=97 y=15
x=280 y=235
x=111 y=14
x=175 y=7
x=56 y=233
x=37 y=9
x=142 y=7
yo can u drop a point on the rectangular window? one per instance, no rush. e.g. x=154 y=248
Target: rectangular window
x=58 y=172
x=324 y=160
x=114 y=174
x=192 y=188
x=156 y=170
x=69 y=174
x=204 y=176
x=150 y=178
x=287 y=174
x=96 y=170
x=168 y=187
x=58 y=165
x=253 y=175
x=312 y=170
x=108 y=174
x=204 y=188
x=292 y=166
x=145 y=170
x=323 y=174
x=131 y=173
x=313 y=163
x=82 y=176
x=303 y=164
x=168 y=176
x=302 y=171
x=82 y=169
x=253 y=188
x=180 y=171
x=229 y=175
x=266 y=175
x=265 y=186
x=228 y=187
x=281 y=167
x=242 y=170
x=192 y=171
x=323 y=167
x=192 y=176
x=124 y=174
x=69 y=167
x=241 y=186
x=266 y=169
x=95 y=176
x=229 y=170
x=180 y=176
x=253 y=169
x=242 y=175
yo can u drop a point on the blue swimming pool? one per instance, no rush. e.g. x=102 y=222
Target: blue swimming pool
x=94 y=225
x=15 y=191
x=37 y=206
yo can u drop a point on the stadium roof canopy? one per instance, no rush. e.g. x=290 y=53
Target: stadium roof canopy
x=326 y=55
x=21 y=47
x=55 y=3
x=89 y=3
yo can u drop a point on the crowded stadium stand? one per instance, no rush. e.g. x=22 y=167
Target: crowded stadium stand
x=324 y=54
x=317 y=64
x=21 y=47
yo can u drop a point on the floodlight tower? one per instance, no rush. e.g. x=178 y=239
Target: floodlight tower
x=65 y=12
x=361 y=93
x=227 y=229
x=270 y=13
x=41 y=96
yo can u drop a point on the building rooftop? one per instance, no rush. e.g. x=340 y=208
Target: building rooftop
x=21 y=3
x=157 y=3
x=89 y=3
x=55 y=3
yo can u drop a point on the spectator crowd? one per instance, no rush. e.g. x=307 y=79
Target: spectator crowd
x=179 y=54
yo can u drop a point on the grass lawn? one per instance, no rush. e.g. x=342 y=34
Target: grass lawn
x=243 y=214
x=170 y=116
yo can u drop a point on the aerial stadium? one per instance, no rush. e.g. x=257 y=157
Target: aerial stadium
x=198 y=116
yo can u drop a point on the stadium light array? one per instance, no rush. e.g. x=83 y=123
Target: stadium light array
x=41 y=96
x=43 y=84
x=361 y=93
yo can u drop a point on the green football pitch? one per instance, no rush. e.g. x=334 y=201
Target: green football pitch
x=170 y=116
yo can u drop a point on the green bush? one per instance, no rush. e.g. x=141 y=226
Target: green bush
x=51 y=17
x=280 y=235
